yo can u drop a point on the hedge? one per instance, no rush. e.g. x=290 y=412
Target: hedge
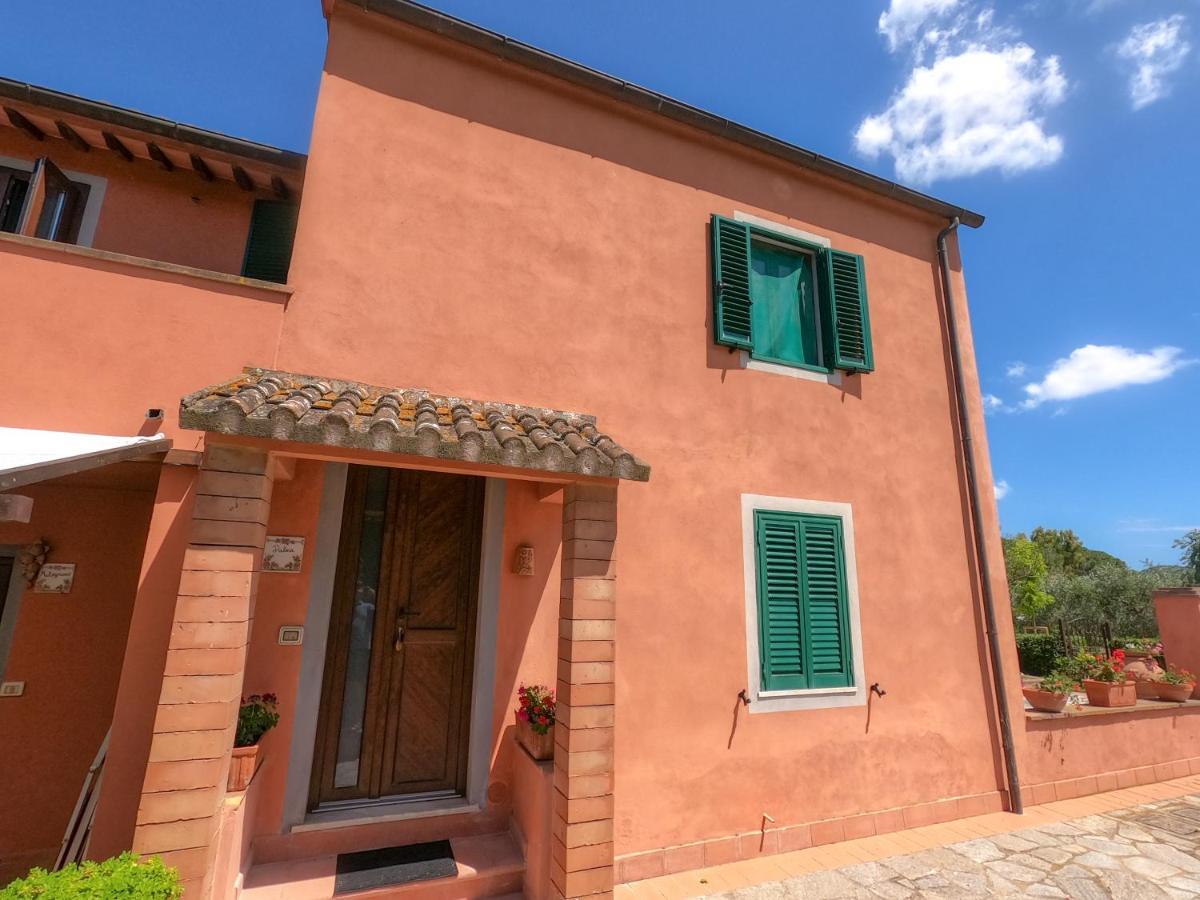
x=1038 y=653
x=124 y=877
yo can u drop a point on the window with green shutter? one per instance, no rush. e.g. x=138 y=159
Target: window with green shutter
x=803 y=615
x=269 y=243
x=788 y=301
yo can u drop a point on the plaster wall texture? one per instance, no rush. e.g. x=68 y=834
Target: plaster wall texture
x=519 y=239
x=1060 y=749
x=68 y=649
x=121 y=339
x=170 y=216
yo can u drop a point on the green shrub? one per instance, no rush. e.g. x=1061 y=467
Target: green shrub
x=123 y=876
x=1038 y=653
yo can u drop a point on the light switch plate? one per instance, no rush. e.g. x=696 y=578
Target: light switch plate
x=291 y=634
x=12 y=688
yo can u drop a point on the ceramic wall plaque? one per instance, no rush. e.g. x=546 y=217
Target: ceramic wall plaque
x=55 y=578
x=283 y=554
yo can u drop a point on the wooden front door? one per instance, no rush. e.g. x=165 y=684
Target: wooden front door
x=398 y=670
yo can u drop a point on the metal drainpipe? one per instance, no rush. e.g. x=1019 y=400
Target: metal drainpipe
x=985 y=573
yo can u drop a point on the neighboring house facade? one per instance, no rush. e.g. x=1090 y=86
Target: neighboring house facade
x=706 y=377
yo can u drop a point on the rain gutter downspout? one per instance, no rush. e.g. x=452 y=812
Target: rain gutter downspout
x=985 y=573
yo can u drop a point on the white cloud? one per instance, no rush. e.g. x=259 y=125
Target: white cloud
x=1001 y=488
x=1156 y=50
x=1153 y=526
x=1015 y=370
x=1093 y=369
x=991 y=403
x=904 y=19
x=982 y=108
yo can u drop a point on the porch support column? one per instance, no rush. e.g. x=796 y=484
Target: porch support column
x=583 y=753
x=206 y=659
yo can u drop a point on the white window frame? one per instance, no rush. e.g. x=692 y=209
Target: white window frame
x=97 y=185
x=762 y=701
x=745 y=361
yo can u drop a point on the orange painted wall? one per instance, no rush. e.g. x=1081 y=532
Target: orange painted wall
x=1059 y=749
x=68 y=650
x=168 y=216
x=91 y=344
x=522 y=240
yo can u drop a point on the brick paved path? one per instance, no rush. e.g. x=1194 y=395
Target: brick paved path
x=1140 y=853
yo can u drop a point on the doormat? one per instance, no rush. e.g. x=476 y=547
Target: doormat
x=393 y=865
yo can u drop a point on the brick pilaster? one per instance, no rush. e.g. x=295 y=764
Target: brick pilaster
x=206 y=660
x=582 y=862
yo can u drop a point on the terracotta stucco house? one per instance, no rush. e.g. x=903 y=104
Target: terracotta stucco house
x=715 y=385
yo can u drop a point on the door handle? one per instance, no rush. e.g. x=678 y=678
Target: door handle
x=399 y=637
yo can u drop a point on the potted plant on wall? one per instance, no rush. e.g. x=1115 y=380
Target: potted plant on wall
x=535 y=720
x=1052 y=693
x=1106 y=683
x=258 y=715
x=1176 y=684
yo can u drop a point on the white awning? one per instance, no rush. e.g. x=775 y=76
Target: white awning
x=28 y=456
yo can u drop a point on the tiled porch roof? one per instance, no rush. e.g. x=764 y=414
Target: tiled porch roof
x=289 y=407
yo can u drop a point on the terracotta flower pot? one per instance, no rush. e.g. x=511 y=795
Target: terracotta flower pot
x=539 y=746
x=1105 y=693
x=1176 y=693
x=242 y=767
x=1147 y=688
x=1046 y=701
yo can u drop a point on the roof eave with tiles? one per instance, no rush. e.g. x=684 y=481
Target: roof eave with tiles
x=289 y=407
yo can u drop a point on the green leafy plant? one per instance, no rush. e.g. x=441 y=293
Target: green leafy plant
x=1038 y=653
x=1026 y=569
x=1176 y=675
x=1189 y=547
x=123 y=877
x=258 y=715
x=536 y=707
x=1057 y=683
x=1150 y=645
x=1110 y=669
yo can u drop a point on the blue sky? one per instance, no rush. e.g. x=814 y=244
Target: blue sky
x=1072 y=124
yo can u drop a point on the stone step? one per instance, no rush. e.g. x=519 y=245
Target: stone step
x=489 y=865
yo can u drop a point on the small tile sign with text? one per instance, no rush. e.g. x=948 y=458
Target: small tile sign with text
x=55 y=578
x=283 y=554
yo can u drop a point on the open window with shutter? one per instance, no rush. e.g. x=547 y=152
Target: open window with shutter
x=789 y=301
x=803 y=604
x=269 y=244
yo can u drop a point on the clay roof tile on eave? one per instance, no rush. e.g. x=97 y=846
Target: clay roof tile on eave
x=290 y=407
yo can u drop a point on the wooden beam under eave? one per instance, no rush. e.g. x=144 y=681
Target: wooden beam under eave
x=24 y=124
x=279 y=186
x=200 y=167
x=159 y=157
x=243 y=179
x=71 y=136
x=113 y=143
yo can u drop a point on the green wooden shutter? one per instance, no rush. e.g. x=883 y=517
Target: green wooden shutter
x=780 y=602
x=803 y=615
x=827 y=626
x=731 y=282
x=848 y=324
x=269 y=244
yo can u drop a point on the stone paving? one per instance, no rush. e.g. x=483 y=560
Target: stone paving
x=1140 y=853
